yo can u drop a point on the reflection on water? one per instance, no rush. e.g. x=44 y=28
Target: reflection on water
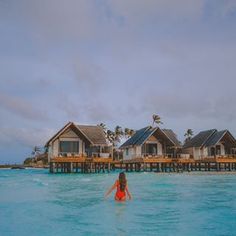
x=120 y=207
x=167 y=204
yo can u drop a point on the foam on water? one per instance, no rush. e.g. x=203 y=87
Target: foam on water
x=40 y=182
x=164 y=204
x=86 y=179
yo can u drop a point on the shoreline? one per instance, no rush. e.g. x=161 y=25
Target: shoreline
x=20 y=166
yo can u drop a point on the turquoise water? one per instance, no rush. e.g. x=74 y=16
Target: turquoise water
x=33 y=202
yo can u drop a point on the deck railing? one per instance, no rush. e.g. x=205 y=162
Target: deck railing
x=226 y=156
x=151 y=156
x=76 y=154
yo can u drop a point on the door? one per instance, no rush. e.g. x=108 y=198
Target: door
x=213 y=153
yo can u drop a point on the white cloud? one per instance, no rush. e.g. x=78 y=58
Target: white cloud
x=164 y=10
x=27 y=137
x=116 y=62
x=22 y=107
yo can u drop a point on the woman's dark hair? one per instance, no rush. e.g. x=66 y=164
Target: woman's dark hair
x=122 y=181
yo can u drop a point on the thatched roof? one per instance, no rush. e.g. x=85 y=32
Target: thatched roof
x=93 y=134
x=143 y=134
x=172 y=136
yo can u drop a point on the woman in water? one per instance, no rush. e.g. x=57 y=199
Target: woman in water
x=121 y=188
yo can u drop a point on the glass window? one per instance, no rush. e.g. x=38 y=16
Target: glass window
x=69 y=146
x=152 y=148
x=127 y=151
x=218 y=150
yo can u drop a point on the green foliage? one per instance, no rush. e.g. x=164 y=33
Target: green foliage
x=28 y=160
x=156 y=119
x=188 y=134
x=115 y=136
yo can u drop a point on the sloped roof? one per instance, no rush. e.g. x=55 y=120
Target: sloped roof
x=215 y=138
x=218 y=136
x=209 y=138
x=143 y=134
x=138 y=135
x=172 y=136
x=94 y=133
x=200 y=139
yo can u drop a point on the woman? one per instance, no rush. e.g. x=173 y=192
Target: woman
x=121 y=188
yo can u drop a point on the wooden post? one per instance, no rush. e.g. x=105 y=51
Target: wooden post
x=191 y=166
x=51 y=167
x=139 y=167
x=71 y=167
x=150 y=166
x=164 y=165
x=199 y=166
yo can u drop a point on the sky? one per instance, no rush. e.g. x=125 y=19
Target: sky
x=114 y=61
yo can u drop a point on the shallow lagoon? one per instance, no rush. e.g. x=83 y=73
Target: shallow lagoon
x=33 y=202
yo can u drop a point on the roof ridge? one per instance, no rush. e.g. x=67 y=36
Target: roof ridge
x=163 y=130
x=219 y=135
x=210 y=135
x=88 y=125
x=147 y=128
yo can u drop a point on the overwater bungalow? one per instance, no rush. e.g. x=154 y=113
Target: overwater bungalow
x=84 y=149
x=210 y=143
x=151 y=142
x=75 y=140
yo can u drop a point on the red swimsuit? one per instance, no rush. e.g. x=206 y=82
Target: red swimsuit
x=120 y=195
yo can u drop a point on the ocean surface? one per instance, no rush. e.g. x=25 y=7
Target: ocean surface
x=34 y=202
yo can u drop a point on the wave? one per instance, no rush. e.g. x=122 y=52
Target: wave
x=40 y=182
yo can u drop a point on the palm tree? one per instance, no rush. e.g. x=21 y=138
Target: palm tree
x=110 y=136
x=128 y=132
x=188 y=134
x=36 y=151
x=156 y=119
x=104 y=128
x=119 y=133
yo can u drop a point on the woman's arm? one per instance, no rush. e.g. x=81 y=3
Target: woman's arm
x=110 y=190
x=127 y=191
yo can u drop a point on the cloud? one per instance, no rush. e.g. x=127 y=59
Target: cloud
x=180 y=106
x=116 y=62
x=27 y=137
x=22 y=108
x=99 y=112
x=226 y=8
x=89 y=76
x=138 y=11
x=47 y=20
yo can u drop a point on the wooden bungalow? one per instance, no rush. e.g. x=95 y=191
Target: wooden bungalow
x=75 y=140
x=151 y=142
x=210 y=143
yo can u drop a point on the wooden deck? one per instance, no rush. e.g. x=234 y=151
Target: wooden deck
x=163 y=164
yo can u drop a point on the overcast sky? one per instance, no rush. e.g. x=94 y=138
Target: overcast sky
x=114 y=61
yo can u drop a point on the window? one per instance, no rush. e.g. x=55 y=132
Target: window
x=151 y=148
x=127 y=151
x=218 y=150
x=69 y=146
